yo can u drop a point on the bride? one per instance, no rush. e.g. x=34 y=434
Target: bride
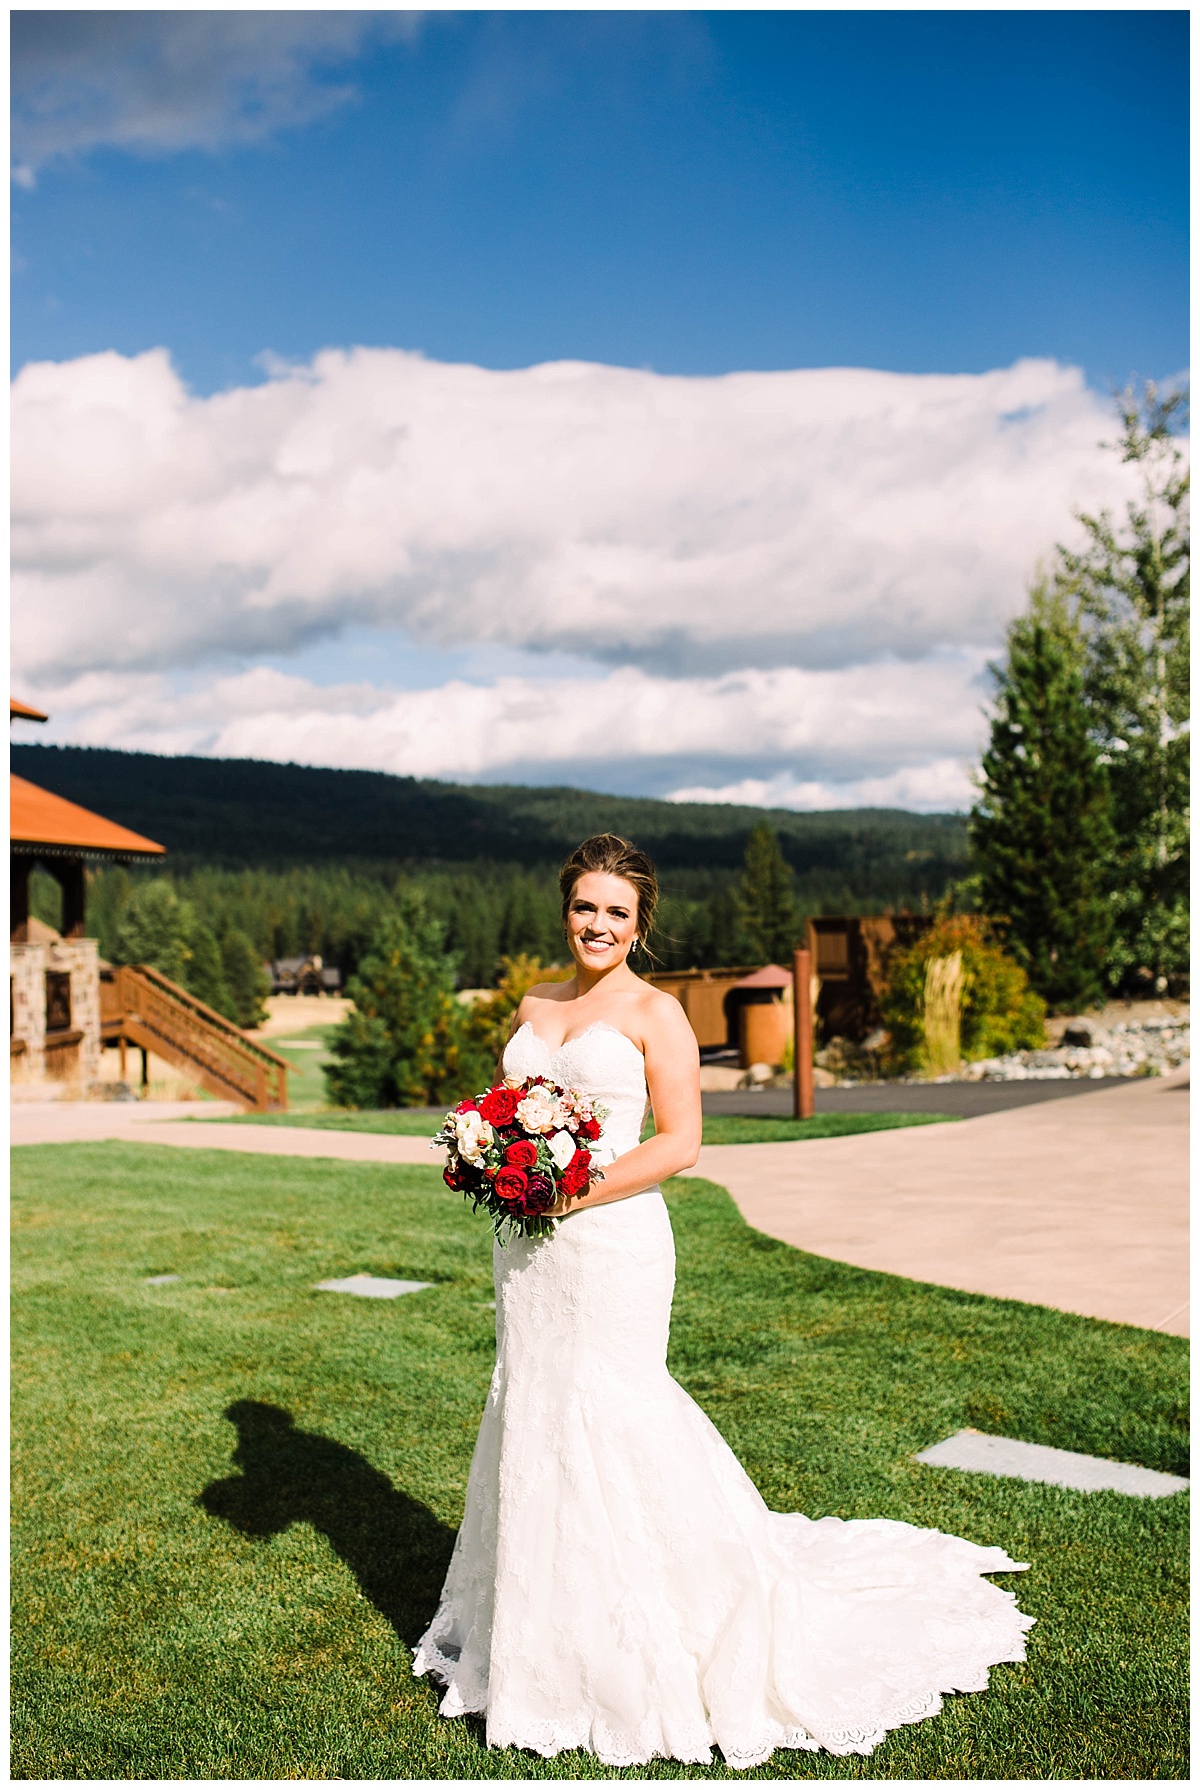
x=618 y=1583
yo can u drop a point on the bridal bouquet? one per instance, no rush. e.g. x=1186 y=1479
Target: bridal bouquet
x=518 y=1147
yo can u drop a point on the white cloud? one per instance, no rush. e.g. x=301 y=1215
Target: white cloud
x=814 y=518
x=782 y=587
x=942 y=786
x=162 y=81
x=852 y=727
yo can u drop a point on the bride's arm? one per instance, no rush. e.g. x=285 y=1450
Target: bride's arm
x=673 y=1078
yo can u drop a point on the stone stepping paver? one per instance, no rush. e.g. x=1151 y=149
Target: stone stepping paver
x=972 y=1452
x=373 y=1286
x=159 y=1280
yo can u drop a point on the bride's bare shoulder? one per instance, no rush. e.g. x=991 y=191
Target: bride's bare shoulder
x=537 y=995
x=661 y=1016
x=551 y=991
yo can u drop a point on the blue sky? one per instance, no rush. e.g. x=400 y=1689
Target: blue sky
x=697 y=193
x=678 y=194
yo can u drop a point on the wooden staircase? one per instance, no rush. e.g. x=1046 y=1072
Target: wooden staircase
x=139 y=1006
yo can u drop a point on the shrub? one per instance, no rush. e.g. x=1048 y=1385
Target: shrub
x=999 y=1011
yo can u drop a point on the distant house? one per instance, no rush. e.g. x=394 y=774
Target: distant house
x=303 y=975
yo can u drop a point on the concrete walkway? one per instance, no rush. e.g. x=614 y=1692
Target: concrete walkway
x=1077 y=1204
x=197 y=1126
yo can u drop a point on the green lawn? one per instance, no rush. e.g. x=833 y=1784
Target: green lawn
x=235 y=1496
x=719 y=1128
x=306 y=1084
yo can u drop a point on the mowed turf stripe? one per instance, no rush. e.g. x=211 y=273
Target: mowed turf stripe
x=235 y=1495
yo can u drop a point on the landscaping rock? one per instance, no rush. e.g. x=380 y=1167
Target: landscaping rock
x=1089 y=1051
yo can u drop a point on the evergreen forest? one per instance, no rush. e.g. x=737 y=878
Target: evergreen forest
x=302 y=860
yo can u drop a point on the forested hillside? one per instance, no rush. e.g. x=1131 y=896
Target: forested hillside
x=299 y=859
x=243 y=812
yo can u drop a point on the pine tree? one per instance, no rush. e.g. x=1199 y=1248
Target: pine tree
x=206 y=972
x=405 y=1041
x=155 y=928
x=1041 y=831
x=1131 y=590
x=246 y=980
x=768 y=906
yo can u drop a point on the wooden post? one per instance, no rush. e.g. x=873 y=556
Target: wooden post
x=18 y=929
x=802 y=1101
x=72 y=879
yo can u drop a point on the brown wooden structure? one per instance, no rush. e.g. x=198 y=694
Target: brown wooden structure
x=140 y=1007
x=849 y=955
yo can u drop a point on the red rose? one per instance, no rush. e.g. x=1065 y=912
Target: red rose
x=454 y=1179
x=510 y=1184
x=589 y=1130
x=576 y=1176
x=499 y=1105
x=466 y=1106
x=522 y=1154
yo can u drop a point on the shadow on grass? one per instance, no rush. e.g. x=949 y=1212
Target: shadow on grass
x=395 y=1547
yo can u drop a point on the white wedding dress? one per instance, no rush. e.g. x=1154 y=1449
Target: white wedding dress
x=618 y=1583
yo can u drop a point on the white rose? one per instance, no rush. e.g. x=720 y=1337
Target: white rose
x=536 y=1111
x=474 y=1135
x=562 y=1147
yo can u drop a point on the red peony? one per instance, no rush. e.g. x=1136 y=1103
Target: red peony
x=499 y=1105
x=522 y=1154
x=589 y=1130
x=511 y=1185
x=453 y=1180
x=540 y=1194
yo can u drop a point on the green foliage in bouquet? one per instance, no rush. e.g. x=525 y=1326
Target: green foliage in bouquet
x=406 y=1042
x=998 y=1010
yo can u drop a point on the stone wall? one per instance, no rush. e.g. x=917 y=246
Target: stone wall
x=63 y=1065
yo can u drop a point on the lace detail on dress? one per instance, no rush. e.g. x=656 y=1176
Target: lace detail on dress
x=617 y=1583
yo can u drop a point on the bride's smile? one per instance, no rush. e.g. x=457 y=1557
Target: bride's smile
x=601 y=921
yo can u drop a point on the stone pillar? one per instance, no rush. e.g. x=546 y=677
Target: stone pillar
x=27 y=1000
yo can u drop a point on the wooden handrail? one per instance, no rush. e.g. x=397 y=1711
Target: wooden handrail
x=152 y=1012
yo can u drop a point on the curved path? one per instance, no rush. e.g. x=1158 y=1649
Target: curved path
x=1078 y=1204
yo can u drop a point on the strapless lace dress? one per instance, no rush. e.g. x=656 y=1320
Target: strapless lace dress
x=618 y=1583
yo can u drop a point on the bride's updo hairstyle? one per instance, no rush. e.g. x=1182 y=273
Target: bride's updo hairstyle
x=614 y=856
